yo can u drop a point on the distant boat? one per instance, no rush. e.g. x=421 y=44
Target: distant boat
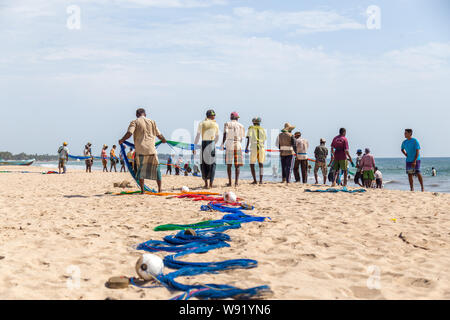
x=16 y=162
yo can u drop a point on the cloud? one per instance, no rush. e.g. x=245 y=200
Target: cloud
x=432 y=56
x=162 y=3
x=299 y=22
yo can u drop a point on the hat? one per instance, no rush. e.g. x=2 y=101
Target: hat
x=367 y=150
x=89 y=144
x=322 y=140
x=359 y=151
x=210 y=112
x=256 y=120
x=234 y=115
x=65 y=143
x=288 y=127
x=105 y=146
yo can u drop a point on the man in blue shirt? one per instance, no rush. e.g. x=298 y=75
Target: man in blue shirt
x=411 y=149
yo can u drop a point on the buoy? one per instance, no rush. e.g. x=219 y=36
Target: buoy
x=229 y=197
x=149 y=266
x=184 y=189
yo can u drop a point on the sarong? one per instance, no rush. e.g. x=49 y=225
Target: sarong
x=208 y=158
x=147 y=167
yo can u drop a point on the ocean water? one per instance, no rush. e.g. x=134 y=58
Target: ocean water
x=393 y=170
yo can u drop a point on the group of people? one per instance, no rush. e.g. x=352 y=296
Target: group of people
x=293 y=150
x=179 y=165
x=89 y=158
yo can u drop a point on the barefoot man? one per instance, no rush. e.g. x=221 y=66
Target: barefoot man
x=340 y=154
x=411 y=149
x=208 y=130
x=256 y=137
x=233 y=134
x=144 y=132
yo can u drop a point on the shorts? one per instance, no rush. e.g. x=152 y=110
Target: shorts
x=358 y=176
x=322 y=166
x=62 y=162
x=257 y=155
x=368 y=175
x=340 y=164
x=234 y=156
x=410 y=169
x=379 y=183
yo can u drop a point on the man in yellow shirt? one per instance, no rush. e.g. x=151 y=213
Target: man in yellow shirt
x=208 y=130
x=256 y=137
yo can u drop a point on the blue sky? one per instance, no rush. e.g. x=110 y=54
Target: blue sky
x=314 y=64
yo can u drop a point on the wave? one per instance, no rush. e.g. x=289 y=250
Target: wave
x=392 y=182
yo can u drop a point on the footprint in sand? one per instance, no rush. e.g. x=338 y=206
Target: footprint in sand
x=421 y=282
x=279 y=240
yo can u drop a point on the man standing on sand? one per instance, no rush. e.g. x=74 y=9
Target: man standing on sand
x=233 y=134
x=90 y=159
x=286 y=143
x=208 y=130
x=256 y=137
x=411 y=149
x=63 y=157
x=169 y=165
x=340 y=154
x=321 y=153
x=113 y=159
x=302 y=157
x=358 y=174
x=144 y=131
x=122 y=160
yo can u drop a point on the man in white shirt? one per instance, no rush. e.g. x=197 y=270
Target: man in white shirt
x=378 y=178
x=233 y=134
x=302 y=158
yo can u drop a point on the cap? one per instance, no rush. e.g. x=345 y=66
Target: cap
x=359 y=151
x=256 y=120
x=210 y=112
x=234 y=115
x=65 y=143
x=322 y=140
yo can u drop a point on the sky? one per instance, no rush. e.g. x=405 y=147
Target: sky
x=78 y=74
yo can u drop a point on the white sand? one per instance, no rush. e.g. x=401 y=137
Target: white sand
x=317 y=246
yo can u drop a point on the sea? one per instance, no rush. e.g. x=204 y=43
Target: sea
x=392 y=169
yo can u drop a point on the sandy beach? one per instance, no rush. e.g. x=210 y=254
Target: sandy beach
x=317 y=245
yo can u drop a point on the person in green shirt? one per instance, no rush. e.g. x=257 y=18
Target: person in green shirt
x=256 y=137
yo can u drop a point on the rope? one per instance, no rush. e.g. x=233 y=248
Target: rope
x=209 y=236
x=344 y=189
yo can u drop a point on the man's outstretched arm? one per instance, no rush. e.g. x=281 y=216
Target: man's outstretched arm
x=125 y=137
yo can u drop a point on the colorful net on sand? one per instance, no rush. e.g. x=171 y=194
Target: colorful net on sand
x=333 y=190
x=208 y=236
